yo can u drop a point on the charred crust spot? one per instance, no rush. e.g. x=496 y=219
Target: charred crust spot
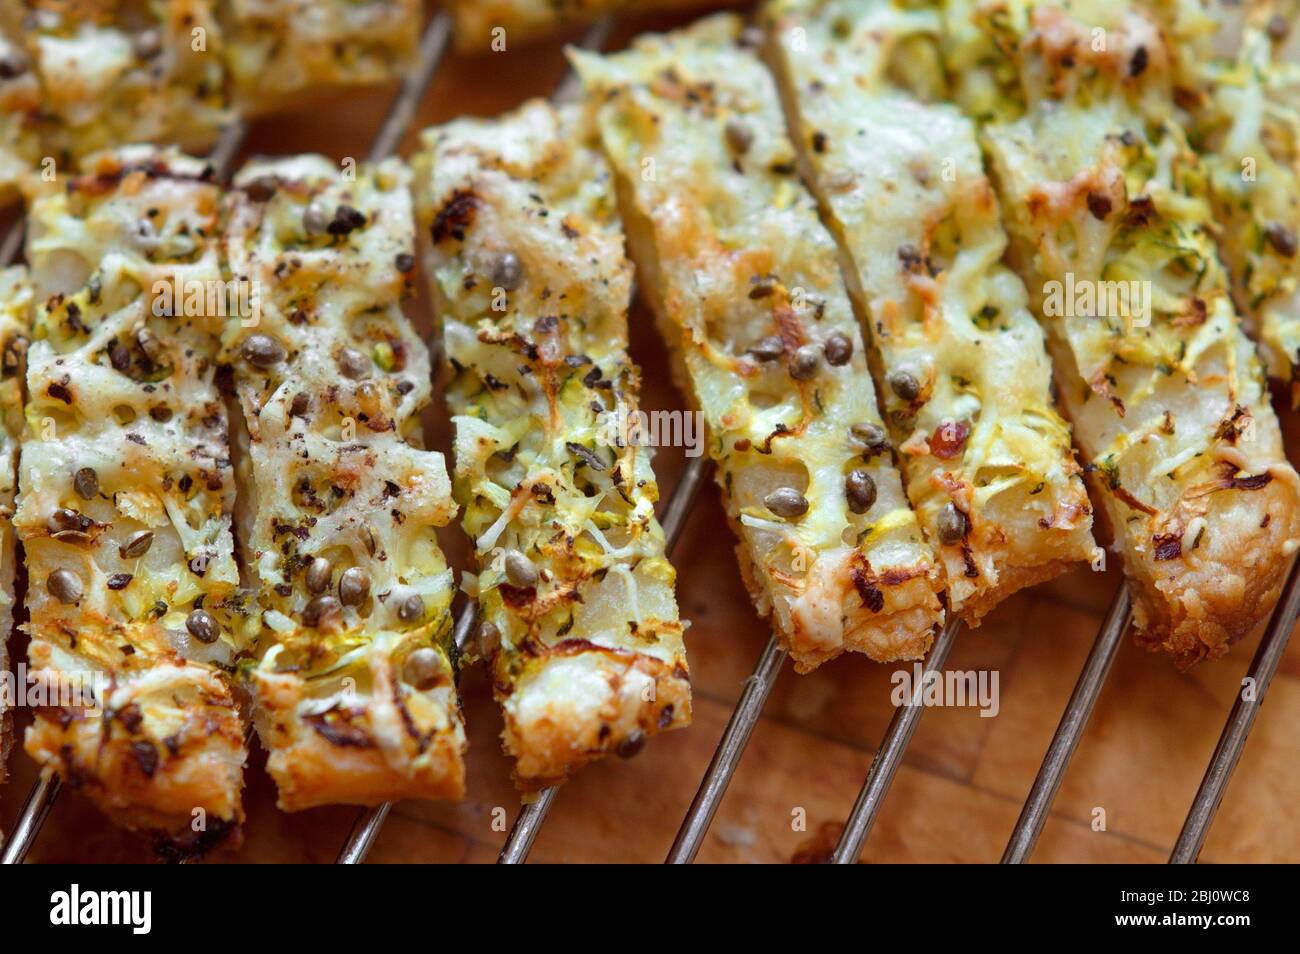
x=872 y=598
x=146 y=756
x=455 y=216
x=1138 y=63
x=1253 y=482
x=1169 y=546
x=1099 y=205
x=336 y=728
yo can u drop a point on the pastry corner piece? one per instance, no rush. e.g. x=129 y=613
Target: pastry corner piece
x=279 y=49
x=126 y=494
x=353 y=675
x=1103 y=192
x=745 y=283
x=86 y=77
x=578 y=616
x=986 y=459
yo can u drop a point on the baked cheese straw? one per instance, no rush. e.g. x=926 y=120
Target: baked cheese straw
x=279 y=48
x=531 y=288
x=353 y=680
x=746 y=286
x=1244 y=105
x=15 y=331
x=519 y=21
x=987 y=460
x=108 y=72
x=126 y=492
x=1112 y=230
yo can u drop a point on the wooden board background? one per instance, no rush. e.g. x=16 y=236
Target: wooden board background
x=960 y=789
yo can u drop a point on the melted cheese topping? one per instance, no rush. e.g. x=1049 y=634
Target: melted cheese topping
x=903 y=185
x=1243 y=94
x=126 y=491
x=1100 y=185
x=732 y=253
x=532 y=290
x=335 y=472
x=281 y=47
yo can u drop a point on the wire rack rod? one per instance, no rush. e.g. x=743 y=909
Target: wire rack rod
x=727 y=755
x=1240 y=721
x=890 y=754
x=13 y=241
x=1073 y=721
x=433 y=45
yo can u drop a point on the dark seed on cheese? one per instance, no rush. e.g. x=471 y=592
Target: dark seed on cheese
x=137 y=546
x=423 y=668
x=838 y=349
x=353 y=364
x=301 y=404
x=804 y=363
x=905 y=385
x=786 y=502
x=1282 y=239
x=520 y=570
x=506 y=271
x=313 y=220
x=202 y=626
x=63 y=520
x=411 y=608
x=951 y=525
x=1099 y=205
x=119 y=581
x=119 y=357
x=489 y=638
x=321 y=612
x=739 y=136
x=262 y=351
x=261 y=189
x=871 y=437
x=768 y=349
x=319 y=572
x=86 y=483
x=860 y=490
x=64 y=586
x=354 y=586
x=632 y=744
x=13 y=65
x=405 y=261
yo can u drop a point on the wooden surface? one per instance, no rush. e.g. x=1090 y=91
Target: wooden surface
x=961 y=787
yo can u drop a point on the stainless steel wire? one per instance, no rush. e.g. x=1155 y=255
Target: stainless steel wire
x=1250 y=698
x=890 y=754
x=735 y=737
x=1073 y=721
